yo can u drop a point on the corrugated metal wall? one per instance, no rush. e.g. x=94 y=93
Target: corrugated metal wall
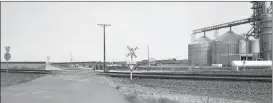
x=200 y=53
x=225 y=59
x=227 y=44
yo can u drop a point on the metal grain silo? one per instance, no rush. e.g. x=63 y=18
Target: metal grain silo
x=255 y=46
x=244 y=46
x=199 y=52
x=266 y=36
x=226 y=44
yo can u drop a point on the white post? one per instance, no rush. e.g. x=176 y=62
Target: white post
x=131 y=76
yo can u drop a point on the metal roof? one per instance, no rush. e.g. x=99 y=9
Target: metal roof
x=230 y=35
x=202 y=40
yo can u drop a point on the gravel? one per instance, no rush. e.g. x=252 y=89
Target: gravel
x=195 y=91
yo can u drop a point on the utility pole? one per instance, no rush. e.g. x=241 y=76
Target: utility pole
x=70 y=54
x=228 y=55
x=148 y=57
x=104 y=26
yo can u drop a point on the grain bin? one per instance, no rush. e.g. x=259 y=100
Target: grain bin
x=266 y=36
x=255 y=46
x=226 y=44
x=244 y=46
x=199 y=52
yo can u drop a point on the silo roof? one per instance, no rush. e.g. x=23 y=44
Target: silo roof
x=230 y=35
x=202 y=40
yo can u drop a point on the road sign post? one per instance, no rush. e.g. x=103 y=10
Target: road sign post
x=7 y=56
x=132 y=64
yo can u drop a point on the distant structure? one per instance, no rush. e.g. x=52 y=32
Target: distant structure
x=154 y=62
x=70 y=57
x=230 y=46
x=148 y=55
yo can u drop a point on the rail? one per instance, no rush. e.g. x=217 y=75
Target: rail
x=228 y=77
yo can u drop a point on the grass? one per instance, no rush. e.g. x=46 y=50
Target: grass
x=9 y=79
x=23 y=66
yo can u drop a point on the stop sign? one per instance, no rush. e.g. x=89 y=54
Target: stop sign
x=7 y=56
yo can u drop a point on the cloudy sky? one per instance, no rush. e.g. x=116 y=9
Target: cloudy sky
x=35 y=30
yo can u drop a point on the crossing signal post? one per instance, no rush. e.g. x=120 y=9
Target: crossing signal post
x=132 y=64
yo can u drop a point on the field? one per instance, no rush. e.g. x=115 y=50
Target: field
x=22 y=65
x=9 y=79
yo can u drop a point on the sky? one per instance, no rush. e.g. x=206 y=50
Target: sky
x=35 y=30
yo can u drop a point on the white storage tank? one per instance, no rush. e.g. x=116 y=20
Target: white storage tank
x=255 y=46
x=251 y=64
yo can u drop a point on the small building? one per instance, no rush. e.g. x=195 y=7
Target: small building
x=226 y=60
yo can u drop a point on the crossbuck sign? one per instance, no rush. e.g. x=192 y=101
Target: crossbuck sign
x=131 y=64
x=132 y=52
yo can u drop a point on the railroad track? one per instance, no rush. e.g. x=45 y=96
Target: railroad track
x=199 y=76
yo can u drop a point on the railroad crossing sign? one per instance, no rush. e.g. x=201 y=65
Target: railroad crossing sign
x=7 y=49
x=48 y=58
x=7 y=56
x=132 y=64
x=132 y=52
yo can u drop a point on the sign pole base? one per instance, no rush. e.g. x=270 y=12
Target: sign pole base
x=131 y=76
x=7 y=66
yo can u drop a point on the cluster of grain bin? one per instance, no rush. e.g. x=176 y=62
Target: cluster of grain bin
x=260 y=48
x=199 y=52
x=231 y=46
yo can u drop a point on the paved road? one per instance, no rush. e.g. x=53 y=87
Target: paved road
x=73 y=86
